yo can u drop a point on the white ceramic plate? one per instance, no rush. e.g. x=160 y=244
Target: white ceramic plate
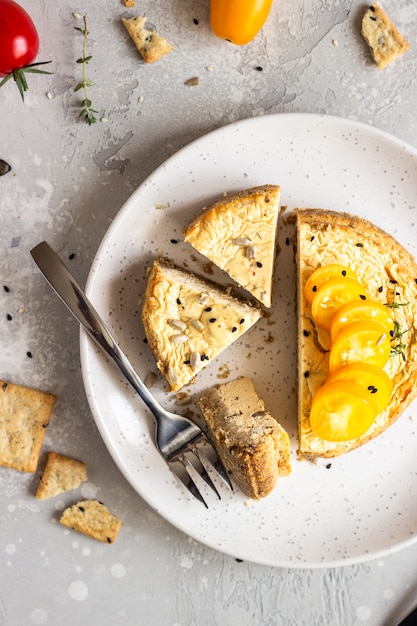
x=365 y=504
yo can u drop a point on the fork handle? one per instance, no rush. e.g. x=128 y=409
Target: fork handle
x=67 y=288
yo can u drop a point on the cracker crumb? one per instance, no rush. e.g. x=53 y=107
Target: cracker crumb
x=192 y=82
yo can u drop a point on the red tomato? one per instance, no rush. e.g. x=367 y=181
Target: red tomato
x=18 y=36
x=19 y=45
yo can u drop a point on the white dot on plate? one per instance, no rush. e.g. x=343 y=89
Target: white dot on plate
x=363 y=613
x=78 y=590
x=10 y=549
x=89 y=490
x=118 y=570
x=38 y=616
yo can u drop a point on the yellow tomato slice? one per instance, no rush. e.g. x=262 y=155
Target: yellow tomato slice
x=367 y=342
x=371 y=378
x=341 y=411
x=333 y=294
x=322 y=274
x=358 y=310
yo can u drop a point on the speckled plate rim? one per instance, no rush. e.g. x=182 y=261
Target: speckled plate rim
x=319 y=160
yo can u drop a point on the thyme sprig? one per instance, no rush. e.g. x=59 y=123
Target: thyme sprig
x=397 y=334
x=87 y=111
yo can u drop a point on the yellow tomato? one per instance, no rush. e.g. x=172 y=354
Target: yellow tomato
x=322 y=274
x=371 y=378
x=367 y=342
x=333 y=294
x=359 y=310
x=238 y=21
x=341 y=411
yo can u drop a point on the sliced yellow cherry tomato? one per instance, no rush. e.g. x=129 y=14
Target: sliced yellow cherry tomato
x=341 y=411
x=371 y=378
x=238 y=21
x=367 y=342
x=333 y=294
x=322 y=274
x=358 y=310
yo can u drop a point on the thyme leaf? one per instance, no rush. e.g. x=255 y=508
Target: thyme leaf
x=86 y=106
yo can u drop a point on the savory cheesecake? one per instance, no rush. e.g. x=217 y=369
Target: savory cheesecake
x=253 y=447
x=238 y=234
x=189 y=321
x=387 y=276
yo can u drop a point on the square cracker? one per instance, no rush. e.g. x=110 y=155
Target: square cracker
x=61 y=473
x=24 y=417
x=384 y=40
x=92 y=518
x=150 y=45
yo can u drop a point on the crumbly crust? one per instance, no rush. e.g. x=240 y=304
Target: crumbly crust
x=389 y=271
x=253 y=447
x=24 y=418
x=92 y=518
x=61 y=473
x=148 y=42
x=384 y=40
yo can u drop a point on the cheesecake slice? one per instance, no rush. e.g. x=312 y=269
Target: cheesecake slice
x=238 y=234
x=389 y=273
x=189 y=321
x=252 y=446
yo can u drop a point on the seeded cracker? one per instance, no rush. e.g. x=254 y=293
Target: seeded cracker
x=384 y=40
x=150 y=45
x=93 y=519
x=24 y=417
x=61 y=474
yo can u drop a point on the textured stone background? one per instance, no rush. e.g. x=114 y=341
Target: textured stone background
x=68 y=182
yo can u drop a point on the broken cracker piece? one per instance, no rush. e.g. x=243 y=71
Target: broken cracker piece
x=61 y=473
x=92 y=518
x=384 y=40
x=150 y=45
x=24 y=417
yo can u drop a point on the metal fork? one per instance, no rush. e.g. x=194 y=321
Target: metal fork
x=180 y=441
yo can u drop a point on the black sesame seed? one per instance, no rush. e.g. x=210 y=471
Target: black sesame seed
x=187 y=362
x=9 y=317
x=4 y=386
x=108 y=540
x=174 y=240
x=359 y=245
x=374 y=390
x=234 y=329
x=242 y=321
x=343 y=272
x=195 y=20
x=29 y=354
x=393 y=281
x=306 y=333
x=312 y=238
x=208 y=309
x=314 y=288
x=206 y=358
x=258 y=263
x=373 y=18
x=415 y=280
x=81 y=508
x=259 y=68
x=306 y=374
x=380 y=289
x=72 y=256
x=178 y=301
x=239 y=560
x=372 y=8
x=328 y=466
x=212 y=320
x=6 y=288
x=287 y=242
x=391 y=332
x=45 y=425
x=203 y=357
x=362 y=297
